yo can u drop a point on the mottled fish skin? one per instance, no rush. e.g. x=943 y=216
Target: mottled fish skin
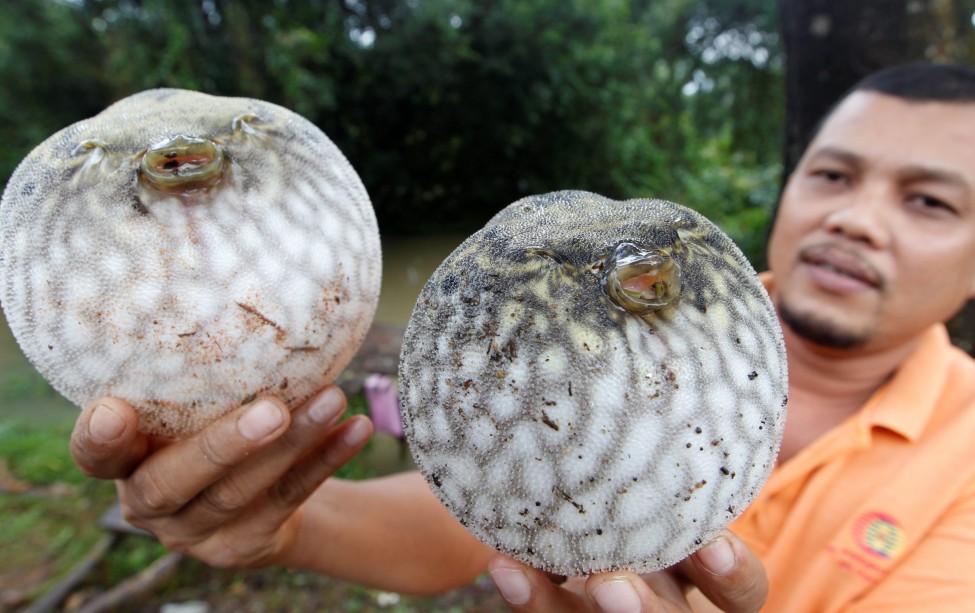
x=188 y=302
x=574 y=435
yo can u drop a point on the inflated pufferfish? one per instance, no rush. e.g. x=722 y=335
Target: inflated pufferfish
x=186 y=253
x=592 y=385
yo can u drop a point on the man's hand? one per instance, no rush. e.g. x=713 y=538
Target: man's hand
x=231 y=494
x=725 y=571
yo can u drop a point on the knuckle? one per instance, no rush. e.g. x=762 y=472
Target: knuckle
x=212 y=450
x=297 y=484
x=174 y=535
x=752 y=595
x=289 y=490
x=295 y=441
x=172 y=542
x=153 y=501
x=745 y=592
x=152 y=494
x=178 y=543
x=222 y=557
x=224 y=497
x=294 y=486
x=221 y=552
x=329 y=459
x=133 y=518
x=219 y=559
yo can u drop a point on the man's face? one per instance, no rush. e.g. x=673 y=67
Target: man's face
x=875 y=235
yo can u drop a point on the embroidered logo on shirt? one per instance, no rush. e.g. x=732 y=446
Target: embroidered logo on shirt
x=879 y=535
x=869 y=545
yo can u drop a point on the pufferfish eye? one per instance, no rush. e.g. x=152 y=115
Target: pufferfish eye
x=91 y=157
x=246 y=124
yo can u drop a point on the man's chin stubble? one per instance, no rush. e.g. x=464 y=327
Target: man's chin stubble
x=819 y=331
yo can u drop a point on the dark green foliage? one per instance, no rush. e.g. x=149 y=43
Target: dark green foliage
x=449 y=109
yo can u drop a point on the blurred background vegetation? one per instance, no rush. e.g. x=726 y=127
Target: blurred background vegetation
x=448 y=109
x=452 y=109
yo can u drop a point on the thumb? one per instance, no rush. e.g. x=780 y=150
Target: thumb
x=106 y=442
x=729 y=574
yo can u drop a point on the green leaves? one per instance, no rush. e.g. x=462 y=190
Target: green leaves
x=448 y=109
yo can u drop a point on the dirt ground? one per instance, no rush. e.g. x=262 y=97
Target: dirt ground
x=276 y=590
x=53 y=530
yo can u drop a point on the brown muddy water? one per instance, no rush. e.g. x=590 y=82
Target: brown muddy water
x=407 y=263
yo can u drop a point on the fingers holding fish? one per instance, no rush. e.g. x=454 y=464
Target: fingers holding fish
x=176 y=475
x=281 y=475
x=724 y=571
x=728 y=573
x=238 y=481
x=527 y=589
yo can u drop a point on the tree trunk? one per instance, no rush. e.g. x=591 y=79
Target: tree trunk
x=829 y=46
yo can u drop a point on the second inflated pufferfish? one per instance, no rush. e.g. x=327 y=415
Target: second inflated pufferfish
x=590 y=384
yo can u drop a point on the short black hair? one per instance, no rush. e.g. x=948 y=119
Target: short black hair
x=912 y=81
x=922 y=82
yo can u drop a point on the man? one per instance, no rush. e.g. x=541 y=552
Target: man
x=872 y=504
x=873 y=501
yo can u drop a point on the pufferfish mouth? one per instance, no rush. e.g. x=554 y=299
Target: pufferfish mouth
x=182 y=163
x=842 y=262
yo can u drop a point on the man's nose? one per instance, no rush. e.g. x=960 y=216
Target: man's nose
x=864 y=215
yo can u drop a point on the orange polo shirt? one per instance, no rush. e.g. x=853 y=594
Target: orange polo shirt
x=879 y=513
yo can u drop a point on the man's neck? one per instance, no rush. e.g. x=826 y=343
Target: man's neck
x=826 y=386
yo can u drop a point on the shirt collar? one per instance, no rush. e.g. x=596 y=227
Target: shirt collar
x=906 y=402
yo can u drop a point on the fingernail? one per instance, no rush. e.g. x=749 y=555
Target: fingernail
x=105 y=424
x=356 y=433
x=617 y=596
x=325 y=406
x=261 y=419
x=717 y=557
x=513 y=585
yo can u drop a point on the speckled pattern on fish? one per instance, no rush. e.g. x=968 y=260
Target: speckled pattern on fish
x=566 y=423
x=186 y=253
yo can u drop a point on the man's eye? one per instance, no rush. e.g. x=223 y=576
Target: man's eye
x=930 y=203
x=831 y=175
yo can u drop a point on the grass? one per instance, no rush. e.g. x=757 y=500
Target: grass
x=48 y=508
x=38 y=454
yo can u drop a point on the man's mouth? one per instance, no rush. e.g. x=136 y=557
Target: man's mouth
x=841 y=263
